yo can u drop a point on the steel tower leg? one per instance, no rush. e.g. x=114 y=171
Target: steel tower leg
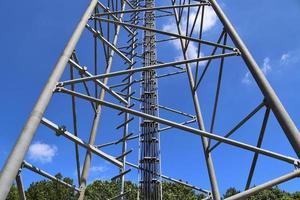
x=20 y=186
x=87 y=161
x=279 y=111
x=15 y=159
x=208 y=158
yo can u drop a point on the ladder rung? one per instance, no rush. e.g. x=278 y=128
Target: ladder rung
x=125 y=123
x=124 y=154
x=121 y=174
x=120 y=113
x=124 y=138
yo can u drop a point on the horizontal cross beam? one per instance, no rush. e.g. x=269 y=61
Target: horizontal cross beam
x=107 y=12
x=184 y=128
x=124 y=24
x=157 y=66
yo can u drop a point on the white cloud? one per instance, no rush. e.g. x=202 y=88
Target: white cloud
x=98 y=169
x=99 y=172
x=247 y=79
x=42 y=152
x=290 y=58
x=285 y=58
x=266 y=68
x=94 y=170
x=210 y=20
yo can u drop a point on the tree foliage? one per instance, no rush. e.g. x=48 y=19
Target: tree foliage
x=13 y=193
x=172 y=191
x=268 y=194
x=230 y=192
x=106 y=190
x=103 y=190
x=46 y=190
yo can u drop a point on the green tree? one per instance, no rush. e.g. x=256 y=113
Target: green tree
x=174 y=191
x=50 y=190
x=101 y=190
x=296 y=196
x=133 y=188
x=13 y=193
x=107 y=189
x=230 y=192
x=272 y=194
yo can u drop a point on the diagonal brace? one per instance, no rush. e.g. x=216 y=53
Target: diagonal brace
x=77 y=140
x=100 y=83
x=113 y=47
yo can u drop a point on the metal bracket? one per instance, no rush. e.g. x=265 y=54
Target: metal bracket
x=61 y=129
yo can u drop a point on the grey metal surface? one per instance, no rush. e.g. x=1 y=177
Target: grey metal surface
x=293 y=161
x=87 y=160
x=20 y=187
x=109 y=23
x=47 y=175
x=149 y=183
x=139 y=69
x=278 y=109
x=78 y=141
x=200 y=121
x=256 y=189
x=15 y=159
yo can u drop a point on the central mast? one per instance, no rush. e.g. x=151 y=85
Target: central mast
x=150 y=182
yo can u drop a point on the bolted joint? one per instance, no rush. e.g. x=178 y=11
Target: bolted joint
x=60 y=84
x=106 y=9
x=83 y=70
x=61 y=130
x=237 y=51
x=96 y=34
x=20 y=170
x=57 y=89
x=266 y=103
x=22 y=165
x=206 y=2
x=297 y=164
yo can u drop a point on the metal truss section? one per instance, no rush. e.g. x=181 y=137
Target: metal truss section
x=128 y=63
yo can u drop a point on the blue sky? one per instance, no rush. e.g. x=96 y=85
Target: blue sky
x=34 y=33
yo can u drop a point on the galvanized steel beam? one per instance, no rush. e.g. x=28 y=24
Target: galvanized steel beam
x=15 y=159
